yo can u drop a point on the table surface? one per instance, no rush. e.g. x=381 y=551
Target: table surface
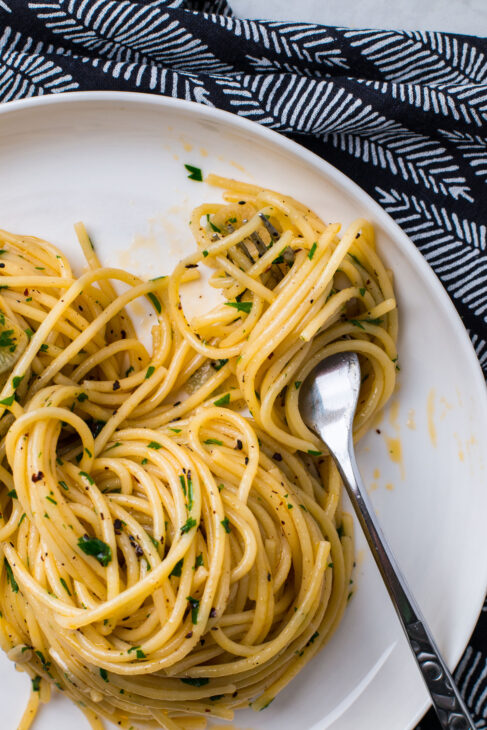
x=455 y=16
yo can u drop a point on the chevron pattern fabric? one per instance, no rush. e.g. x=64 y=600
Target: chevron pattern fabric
x=404 y=114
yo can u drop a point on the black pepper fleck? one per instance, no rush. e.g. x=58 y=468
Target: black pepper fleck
x=117 y=526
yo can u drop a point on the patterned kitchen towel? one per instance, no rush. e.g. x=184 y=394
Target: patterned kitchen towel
x=404 y=114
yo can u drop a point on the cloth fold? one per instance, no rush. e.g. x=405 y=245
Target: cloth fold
x=403 y=113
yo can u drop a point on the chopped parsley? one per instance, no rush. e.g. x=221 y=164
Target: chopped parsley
x=44 y=347
x=199 y=561
x=354 y=258
x=82 y=397
x=175 y=430
x=176 y=571
x=190 y=492
x=63 y=485
x=42 y=658
x=362 y=291
x=155 y=301
x=96 y=548
x=312 y=250
x=357 y=323
x=212 y=225
x=188 y=525
x=10 y=576
x=65 y=586
x=240 y=306
x=226 y=525
x=149 y=372
x=194 y=173
x=297 y=383
x=16 y=380
x=197 y=682
x=154 y=445
x=195 y=607
x=220 y=402
x=8 y=401
x=113 y=446
x=218 y=364
x=312 y=638
x=104 y=675
x=36 y=684
x=138 y=652
x=217 y=442
x=12 y=494
x=314 y=453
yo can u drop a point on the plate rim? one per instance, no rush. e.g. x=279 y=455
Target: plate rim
x=349 y=187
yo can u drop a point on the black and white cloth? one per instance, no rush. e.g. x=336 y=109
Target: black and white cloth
x=402 y=113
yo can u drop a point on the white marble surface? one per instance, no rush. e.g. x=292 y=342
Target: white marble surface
x=455 y=16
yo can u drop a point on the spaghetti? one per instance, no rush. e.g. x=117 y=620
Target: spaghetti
x=166 y=557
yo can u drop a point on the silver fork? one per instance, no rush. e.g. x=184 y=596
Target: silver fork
x=327 y=401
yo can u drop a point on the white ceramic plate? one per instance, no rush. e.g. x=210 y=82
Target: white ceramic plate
x=116 y=161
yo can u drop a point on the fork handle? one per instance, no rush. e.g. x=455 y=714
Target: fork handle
x=447 y=701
